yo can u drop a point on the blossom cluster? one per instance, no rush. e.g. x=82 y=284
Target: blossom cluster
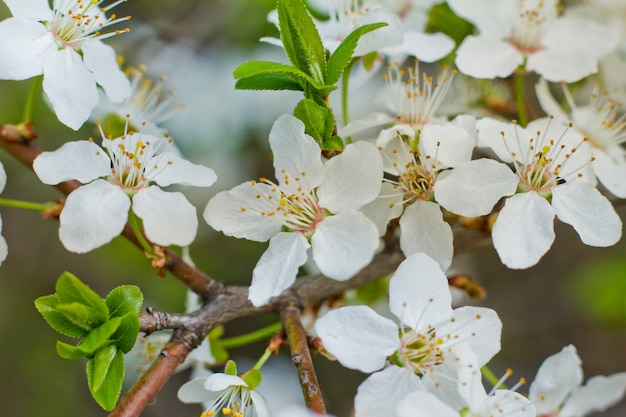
x=423 y=163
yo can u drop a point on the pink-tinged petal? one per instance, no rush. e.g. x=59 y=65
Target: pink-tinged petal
x=451 y=145
x=423 y=230
x=524 y=230
x=82 y=160
x=387 y=206
x=278 y=266
x=610 y=168
x=382 y=391
x=427 y=47
x=23 y=45
x=418 y=293
x=589 y=212
x=239 y=213
x=219 y=382
x=556 y=378
x=297 y=157
x=480 y=327
x=353 y=178
x=172 y=169
x=70 y=86
x=92 y=216
x=424 y=404
x=101 y=60
x=547 y=101
x=598 y=394
x=168 y=218
x=562 y=64
x=344 y=244
x=358 y=337
x=473 y=188
x=487 y=57
x=31 y=9
x=194 y=392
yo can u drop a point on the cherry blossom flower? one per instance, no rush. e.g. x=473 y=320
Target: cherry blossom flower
x=550 y=178
x=604 y=125
x=225 y=395
x=64 y=44
x=120 y=176
x=313 y=205
x=557 y=391
x=422 y=351
x=3 y=243
x=530 y=33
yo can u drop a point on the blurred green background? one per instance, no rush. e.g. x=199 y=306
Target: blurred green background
x=576 y=294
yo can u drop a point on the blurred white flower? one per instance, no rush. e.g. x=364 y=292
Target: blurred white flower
x=3 y=243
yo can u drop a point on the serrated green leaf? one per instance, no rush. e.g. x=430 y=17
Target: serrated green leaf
x=334 y=143
x=316 y=118
x=300 y=39
x=275 y=82
x=252 y=378
x=70 y=289
x=67 y=351
x=105 y=373
x=441 y=18
x=123 y=300
x=126 y=335
x=255 y=68
x=81 y=315
x=95 y=340
x=342 y=56
x=46 y=306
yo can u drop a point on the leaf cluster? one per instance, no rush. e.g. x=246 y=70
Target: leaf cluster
x=108 y=329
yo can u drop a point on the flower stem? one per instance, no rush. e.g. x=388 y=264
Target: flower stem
x=519 y=99
x=248 y=338
x=263 y=359
x=23 y=205
x=30 y=99
x=134 y=223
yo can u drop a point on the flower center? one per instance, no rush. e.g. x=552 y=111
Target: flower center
x=533 y=19
x=77 y=20
x=420 y=352
x=234 y=401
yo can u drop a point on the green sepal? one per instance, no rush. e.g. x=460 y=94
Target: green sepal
x=123 y=300
x=81 y=315
x=318 y=119
x=105 y=373
x=47 y=307
x=342 y=56
x=441 y=18
x=300 y=39
x=230 y=368
x=70 y=289
x=252 y=378
x=333 y=143
x=126 y=334
x=95 y=340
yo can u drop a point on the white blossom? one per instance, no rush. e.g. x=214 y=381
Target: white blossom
x=3 y=243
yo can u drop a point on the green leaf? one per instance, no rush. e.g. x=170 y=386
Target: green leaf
x=252 y=378
x=442 y=19
x=123 y=300
x=67 y=351
x=105 y=373
x=70 y=289
x=318 y=119
x=256 y=68
x=334 y=143
x=47 y=307
x=95 y=340
x=301 y=40
x=81 y=315
x=342 y=56
x=274 y=82
x=126 y=335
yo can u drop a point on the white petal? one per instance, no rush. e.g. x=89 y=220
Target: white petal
x=450 y=144
x=598 y=394
x=32 y=9
x=260 y=405
x=557 y=376
x=505 y=402
x=427 y=47
x=296 y=154
x=547 y=102
x=610 y=168
x=424 y=230
x=442 y=380
x=473 y=188
x=278 y=266
x=380 y=38
x=562 y=64
x=3 y=177
x=589 y=212
x=524 y=230
x=369 y=121
x=175 y=170
x=82 y=160
x=22 y=44
x=493 y=17
x=92 y=216
x=593 y=38
x=4 y=249
x=418 y=293
x=353 y=178
x=219 y=382
x=358 y=337
x=344 y=244
x=101 y=60
x=382 y=391
x=237 y=212
x=387 y=206
x=70 y=86
x=486 y=57
x=168 y=218
x=194 y=392
x=424 y=404
x=490 y=135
